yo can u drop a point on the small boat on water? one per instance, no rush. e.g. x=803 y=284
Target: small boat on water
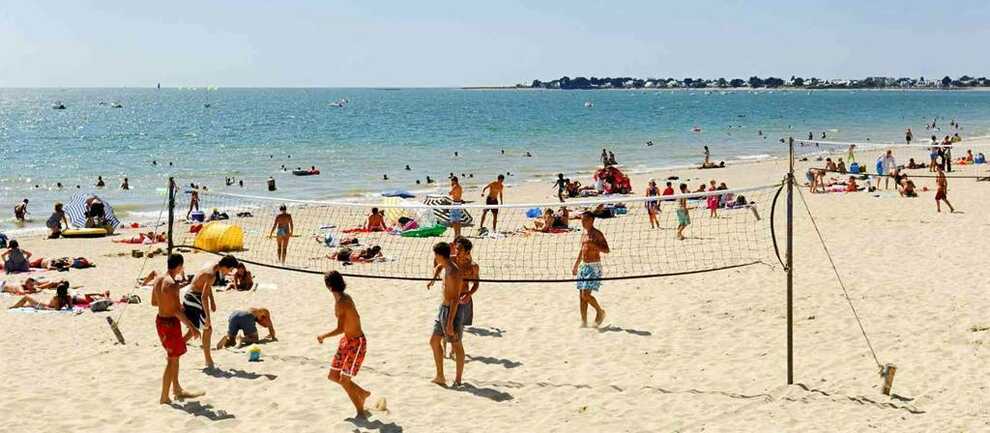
x=117 y=105
x=313 y=171
x=58 y=106
x=588 y=104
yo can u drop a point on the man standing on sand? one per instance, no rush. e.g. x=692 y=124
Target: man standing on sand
x=588 y=268
x=494 y=197
x=462 y=258
x=942 y=191
x=193 y=203
x=456 y=214
x=353 y=346
x=683 y=218
x=198 y=304
x=165 y=295
x=448 y=324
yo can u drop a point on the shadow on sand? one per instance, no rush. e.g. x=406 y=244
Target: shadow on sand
x=507 y=363
x=489 y=393
x=207 y=411
x=613 y=328
x=375 y=425
x=234 y=373
x=484 y=332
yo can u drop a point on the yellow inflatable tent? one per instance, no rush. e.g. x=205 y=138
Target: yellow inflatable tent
x=219 y=237
x=392 y=214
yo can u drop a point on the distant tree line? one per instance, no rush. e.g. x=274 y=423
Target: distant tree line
x=582 y=83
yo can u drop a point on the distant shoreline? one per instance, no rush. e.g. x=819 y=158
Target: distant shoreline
x=739 y=89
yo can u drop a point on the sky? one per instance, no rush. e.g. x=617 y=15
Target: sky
x=112 y=43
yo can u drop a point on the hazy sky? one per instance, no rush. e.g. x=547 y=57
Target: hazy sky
x=451 y=43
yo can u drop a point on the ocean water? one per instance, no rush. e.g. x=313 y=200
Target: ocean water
x=250 y=134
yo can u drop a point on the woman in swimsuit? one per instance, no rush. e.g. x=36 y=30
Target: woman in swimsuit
x=61 y=300
x=242 y=279
x=652 y=206
x=282 y=228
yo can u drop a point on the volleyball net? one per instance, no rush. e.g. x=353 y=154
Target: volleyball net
x=536 y=242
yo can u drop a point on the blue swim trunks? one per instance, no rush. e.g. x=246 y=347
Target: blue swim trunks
x=456 y=215
x=590 y=274
x=242 y=321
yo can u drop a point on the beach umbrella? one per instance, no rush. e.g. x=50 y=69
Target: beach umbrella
x=443 y=215
x=75 y=209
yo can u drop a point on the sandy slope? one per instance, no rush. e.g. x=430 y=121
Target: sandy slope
x=703 y=352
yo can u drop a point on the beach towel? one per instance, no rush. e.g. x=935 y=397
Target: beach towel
x=398 y=193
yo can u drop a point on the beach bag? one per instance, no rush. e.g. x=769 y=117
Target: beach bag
x=101 y=305
x=534 y=213
x=854 y=167
x=3 y=240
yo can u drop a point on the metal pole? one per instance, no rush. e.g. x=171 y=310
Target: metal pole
x=171 y=213
x=790 y=264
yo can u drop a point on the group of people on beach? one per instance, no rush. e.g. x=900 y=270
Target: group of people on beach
x=454 y=266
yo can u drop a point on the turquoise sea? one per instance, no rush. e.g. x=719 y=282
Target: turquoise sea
x=250 y=134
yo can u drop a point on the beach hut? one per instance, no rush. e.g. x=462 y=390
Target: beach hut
x=78 y=209
x=218 y=237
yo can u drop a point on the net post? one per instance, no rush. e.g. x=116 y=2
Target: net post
x=790 y=263
x=171 y=213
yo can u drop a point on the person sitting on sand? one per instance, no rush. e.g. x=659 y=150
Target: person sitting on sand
x=906 y=187
x=912 y=164
x=246 y=321
x=841 y=166
x=561 y=219
x=851 y=185
x=376 y=221
x=242 y=279
x=20 y=211
x=15 y=259
x=543 y=223
x=573 y=188
x=55 y=222
x=830 y=165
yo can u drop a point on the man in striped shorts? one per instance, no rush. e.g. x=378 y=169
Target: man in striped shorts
x=350 y=352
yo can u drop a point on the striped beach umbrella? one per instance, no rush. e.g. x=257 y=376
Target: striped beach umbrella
x=443 y=215
x=75 y=209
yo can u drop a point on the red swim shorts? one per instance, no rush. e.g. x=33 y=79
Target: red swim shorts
x=170 y=333
x=349 y=356
x=939 y=195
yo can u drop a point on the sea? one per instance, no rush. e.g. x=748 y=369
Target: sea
x=358 y=136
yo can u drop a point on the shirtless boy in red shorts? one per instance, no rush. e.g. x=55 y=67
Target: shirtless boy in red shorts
x=350 y=352
x=165 y=296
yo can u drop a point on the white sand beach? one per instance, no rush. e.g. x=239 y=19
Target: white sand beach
x=702 y=352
